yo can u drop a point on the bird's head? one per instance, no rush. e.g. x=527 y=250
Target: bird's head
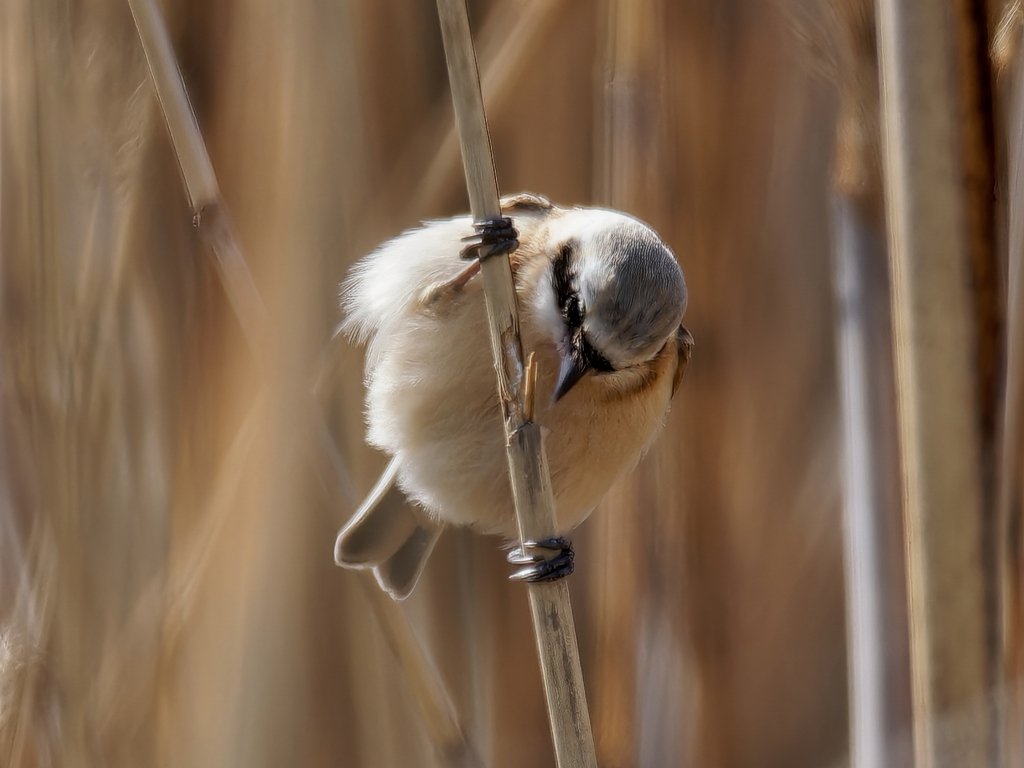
x=616 y=293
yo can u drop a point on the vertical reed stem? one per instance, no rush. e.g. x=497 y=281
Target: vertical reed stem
x=1011 y=492
x=937 y=389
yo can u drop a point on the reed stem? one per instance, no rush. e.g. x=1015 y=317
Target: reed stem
x=531 y=483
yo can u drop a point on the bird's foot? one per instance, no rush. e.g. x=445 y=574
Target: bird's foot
x=492 y=238
x=537 y=567
x=446 y=289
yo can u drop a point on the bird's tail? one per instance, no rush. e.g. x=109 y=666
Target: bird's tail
x=388 y=534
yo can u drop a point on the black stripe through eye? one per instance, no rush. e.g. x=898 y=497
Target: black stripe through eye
x=571 y=312
x=568 y=298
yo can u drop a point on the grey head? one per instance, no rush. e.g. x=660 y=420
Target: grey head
x=619 y=290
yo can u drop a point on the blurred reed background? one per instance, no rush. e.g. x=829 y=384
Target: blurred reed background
x=168 y=595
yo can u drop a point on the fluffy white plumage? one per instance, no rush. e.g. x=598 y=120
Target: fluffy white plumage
x=597 y=289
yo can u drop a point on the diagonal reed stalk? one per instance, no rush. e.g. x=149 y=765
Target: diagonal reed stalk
x=510 y=36
x=208 y=209
x=531 y=484
x=210 y=216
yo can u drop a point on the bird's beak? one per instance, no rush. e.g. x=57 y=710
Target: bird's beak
x=574 y=366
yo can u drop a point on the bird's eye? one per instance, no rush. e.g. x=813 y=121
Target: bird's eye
x=595 y=359
x=572 y=312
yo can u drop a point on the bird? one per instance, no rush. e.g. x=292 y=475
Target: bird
x=601 y=301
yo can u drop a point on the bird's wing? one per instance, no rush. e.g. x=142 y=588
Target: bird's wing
x=684 y=340
x=419 y=268
x=386 y=284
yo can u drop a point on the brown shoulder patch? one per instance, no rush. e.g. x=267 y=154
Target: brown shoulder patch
x=646 y=376
x=525 y=201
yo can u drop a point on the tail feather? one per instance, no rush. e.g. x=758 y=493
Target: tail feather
x=388 y=534
x=399 y=573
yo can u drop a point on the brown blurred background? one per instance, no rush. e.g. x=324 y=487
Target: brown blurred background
x=168 y=595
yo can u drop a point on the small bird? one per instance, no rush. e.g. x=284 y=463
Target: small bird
x=601 y=301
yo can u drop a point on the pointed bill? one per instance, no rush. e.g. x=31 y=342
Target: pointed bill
x=574 y=366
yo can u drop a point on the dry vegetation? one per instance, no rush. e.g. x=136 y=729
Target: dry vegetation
x=167 y=514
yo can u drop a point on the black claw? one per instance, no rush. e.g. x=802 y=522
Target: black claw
x=493 y=237
x=547 y=570
x=536 y=567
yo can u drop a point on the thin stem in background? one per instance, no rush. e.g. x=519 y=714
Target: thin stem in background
x=1011 y=493
x=208 y=209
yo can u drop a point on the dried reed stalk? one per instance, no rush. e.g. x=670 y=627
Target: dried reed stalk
x=437 y=710
x=510 y=36
x=425 y=683
x=937 y=390
x=208 y=209
x=531 y=483
x=1011 y=492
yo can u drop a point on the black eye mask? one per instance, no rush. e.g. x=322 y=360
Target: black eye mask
x=564 y=280
x=571 y=309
